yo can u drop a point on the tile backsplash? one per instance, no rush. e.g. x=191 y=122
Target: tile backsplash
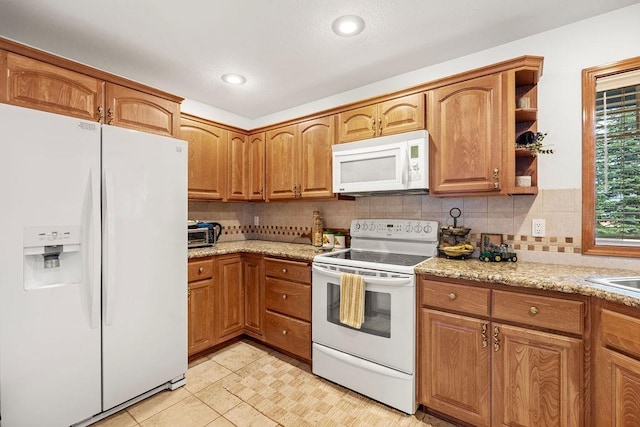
x=510 y=216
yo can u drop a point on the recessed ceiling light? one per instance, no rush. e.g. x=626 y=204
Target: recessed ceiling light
x=234 y=79
x=348 y=25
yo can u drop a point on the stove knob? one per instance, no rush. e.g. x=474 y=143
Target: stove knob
x=365 y=227
x=418 y=228
x=357 y=226
x=427 y=228
x=372 y=226
x=409 y=228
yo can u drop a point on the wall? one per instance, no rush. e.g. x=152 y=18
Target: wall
x=567 y=50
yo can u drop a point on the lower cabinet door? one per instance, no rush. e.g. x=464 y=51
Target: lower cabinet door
x=454 y=375
x=536 y=378
x=289 y=334
x=201 y=332
x=617 y=391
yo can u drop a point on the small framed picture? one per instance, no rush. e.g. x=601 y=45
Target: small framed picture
x=490 y=242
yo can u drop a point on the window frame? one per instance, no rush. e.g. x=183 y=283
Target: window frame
x=589 y=77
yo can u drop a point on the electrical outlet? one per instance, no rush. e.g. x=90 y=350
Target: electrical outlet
x=537 y=227
x=256 y=220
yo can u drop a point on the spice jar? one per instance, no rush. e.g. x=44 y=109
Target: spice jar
x=339 y=241
x=316 y=229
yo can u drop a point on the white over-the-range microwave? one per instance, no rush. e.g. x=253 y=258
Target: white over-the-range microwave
x=387 y=164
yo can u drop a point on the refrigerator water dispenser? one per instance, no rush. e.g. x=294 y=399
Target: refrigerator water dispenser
x=52 y=256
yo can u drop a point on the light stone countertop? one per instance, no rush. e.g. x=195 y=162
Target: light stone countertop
x=555 y=277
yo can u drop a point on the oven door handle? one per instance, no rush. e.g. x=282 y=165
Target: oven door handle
x=395 y=281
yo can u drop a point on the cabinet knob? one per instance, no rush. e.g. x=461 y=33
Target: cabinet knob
x=452 y=296
x=284 y=271
x=284 y=296
x=284 y=332
x=533 y=310
x=201 y=269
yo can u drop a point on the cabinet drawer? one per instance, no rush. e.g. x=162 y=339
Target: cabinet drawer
x=293 y=299
x=553 y=313
x=620 y=331
x=467 y=299
x=288 y=334
x=288 y=270
x=200 y=270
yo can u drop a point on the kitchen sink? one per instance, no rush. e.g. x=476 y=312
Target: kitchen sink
x=632 y=283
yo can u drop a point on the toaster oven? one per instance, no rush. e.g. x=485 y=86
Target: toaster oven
x=204 y=234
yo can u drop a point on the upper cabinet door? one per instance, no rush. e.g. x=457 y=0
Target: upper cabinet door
x=256 y=166
x=316 y=138
x=282 y=163
x=465 y=122
x=41 y=86
x=238 y=166
x=207 y=158
x=401 y=115
x=358 y=124
x=133 y=109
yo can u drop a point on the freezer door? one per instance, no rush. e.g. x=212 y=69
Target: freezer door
x=49 y=317
x=144 y=188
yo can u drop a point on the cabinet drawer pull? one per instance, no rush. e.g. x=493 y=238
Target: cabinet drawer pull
x=496 y=178
x=533 y=310
x=373 y=126
x=284 y=296
x=201 y=269
x=100 y=113
x=379 y=126
x=452 y=296
x=496 y=341
x=284 y=271
x=484 y=335
x=284 y=332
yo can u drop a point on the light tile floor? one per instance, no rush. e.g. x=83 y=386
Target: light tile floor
x=247 y=384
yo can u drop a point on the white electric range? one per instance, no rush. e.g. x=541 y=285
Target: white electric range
x=377 y=360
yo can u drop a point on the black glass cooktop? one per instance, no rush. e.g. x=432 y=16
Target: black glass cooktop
x=379 y=257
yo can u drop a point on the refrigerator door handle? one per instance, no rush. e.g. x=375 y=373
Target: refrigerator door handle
x=93 y=247
x=109 y=246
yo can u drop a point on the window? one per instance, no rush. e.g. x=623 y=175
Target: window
x=611 y=159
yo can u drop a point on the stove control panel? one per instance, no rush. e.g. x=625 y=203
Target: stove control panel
x=403 y=229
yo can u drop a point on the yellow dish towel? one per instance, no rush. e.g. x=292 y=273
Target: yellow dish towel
x=352 y=300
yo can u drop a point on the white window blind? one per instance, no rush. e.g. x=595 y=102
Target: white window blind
x=617 y=129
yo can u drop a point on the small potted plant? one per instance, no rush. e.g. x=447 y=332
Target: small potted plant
x=532 y=141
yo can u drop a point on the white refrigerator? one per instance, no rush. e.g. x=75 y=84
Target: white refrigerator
x=93 y=267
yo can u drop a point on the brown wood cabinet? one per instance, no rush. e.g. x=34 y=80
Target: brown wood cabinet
x=32 y=83
x=256 y=166
x=230 y=298
x=466 y=123
x=397 y=115
x=298 y=160
x=473 y=123
x=616 y=389
x=137 y=110
x=288 y=306
x=496 y=357
x=207 y=158
x=253 y=295
x=202 y=327
x=238 y=167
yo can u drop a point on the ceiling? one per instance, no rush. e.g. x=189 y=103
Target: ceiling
x=285 y=48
